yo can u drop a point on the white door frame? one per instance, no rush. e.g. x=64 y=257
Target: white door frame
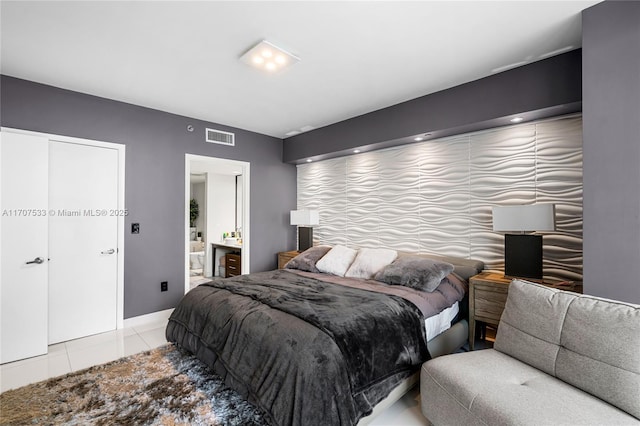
x=120 y=148
x=246 y=239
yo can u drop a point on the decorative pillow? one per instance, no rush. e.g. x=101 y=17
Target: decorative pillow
x=416 y=272
x=337 y=260
x=306 y=261
x=369 y=261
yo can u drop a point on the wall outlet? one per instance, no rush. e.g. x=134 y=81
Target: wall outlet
x=164 y=286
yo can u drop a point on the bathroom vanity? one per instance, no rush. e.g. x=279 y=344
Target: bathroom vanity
x=233 y=265
x=229 y=255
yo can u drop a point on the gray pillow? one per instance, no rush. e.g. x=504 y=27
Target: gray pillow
x=306 y=261
x=416 y=272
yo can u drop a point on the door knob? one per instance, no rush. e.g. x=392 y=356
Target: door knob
x=37 y=260
x=110 y=251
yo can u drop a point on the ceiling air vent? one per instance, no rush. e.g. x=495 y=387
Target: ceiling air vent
x=223 y=138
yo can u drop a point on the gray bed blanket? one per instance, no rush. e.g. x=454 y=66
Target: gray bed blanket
x=306 y=351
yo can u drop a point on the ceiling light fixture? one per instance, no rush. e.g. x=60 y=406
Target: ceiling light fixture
x=421 y=138
x=268 y=57
x=309 y=160
x=516 y=119
x=356 y=151
x=510 y=66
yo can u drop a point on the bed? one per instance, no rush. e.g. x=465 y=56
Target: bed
x=310 y=346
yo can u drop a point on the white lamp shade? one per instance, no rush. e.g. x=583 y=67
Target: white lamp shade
x=534 y=217
x=305 y=217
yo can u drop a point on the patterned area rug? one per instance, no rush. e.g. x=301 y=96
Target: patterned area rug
x=164 y=386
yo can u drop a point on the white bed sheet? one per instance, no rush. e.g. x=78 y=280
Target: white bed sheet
x=442 y=322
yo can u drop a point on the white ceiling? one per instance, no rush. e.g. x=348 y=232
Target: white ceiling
x=356 y=57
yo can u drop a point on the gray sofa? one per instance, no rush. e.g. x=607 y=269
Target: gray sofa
x=560 y=358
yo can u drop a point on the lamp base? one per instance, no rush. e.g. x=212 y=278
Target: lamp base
x=305 y=238
x=523 y=256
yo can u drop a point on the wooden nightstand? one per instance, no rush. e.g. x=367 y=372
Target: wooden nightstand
x=285 y=256
x=488 y=295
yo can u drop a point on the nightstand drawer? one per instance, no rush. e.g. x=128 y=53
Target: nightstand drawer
x=487 y=297
x=232 y=271
x=489 y=304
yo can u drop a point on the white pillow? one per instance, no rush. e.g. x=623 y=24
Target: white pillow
x=336 y=261
x=370 y=261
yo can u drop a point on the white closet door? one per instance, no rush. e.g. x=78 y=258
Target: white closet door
x=83 y=190
x=23 y=232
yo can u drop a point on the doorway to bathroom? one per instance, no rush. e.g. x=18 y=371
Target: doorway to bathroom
x=216 y=218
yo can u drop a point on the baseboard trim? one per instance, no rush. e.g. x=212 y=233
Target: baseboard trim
x=147 y=318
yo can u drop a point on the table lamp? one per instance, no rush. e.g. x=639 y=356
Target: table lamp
x=523 y=252
x=305 y=219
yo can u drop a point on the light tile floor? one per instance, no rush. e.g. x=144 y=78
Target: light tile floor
x=78 y=354
x=404 y=412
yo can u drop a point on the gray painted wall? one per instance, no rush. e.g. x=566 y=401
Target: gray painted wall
x=545 y=88
x=155 y=155
x=611 y=88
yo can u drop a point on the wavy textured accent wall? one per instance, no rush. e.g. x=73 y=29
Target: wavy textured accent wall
x=436 y=196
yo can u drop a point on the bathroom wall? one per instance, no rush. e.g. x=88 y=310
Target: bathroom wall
x=221 y=199
x=239 y=205
x=221 y=195
x=436 y=196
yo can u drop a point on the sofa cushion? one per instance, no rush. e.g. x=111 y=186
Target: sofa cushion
x=600 y=351
x=531 y=324
x=489 y=387
x=588 y=342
